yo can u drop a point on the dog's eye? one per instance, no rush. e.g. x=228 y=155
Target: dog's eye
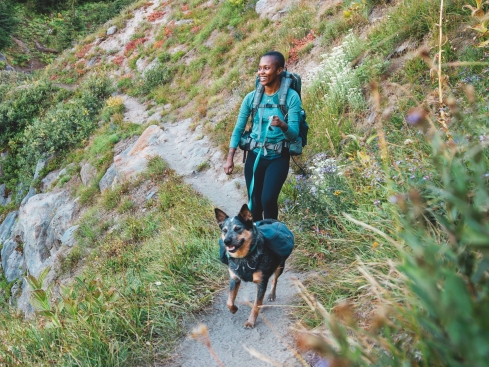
x=225 y=230
x=237 y=229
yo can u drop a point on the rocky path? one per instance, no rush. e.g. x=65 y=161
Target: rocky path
x=192 y=155
x=232 y=343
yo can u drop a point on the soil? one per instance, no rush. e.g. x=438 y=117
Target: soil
x=230 y=341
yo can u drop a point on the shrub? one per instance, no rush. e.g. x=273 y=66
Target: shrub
x=8 y=23
x=21 y=105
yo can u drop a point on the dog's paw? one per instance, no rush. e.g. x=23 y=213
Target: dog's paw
x=249 y=325
x=233 y=309
x=272 y=297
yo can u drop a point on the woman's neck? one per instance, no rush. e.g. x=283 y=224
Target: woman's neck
x=272 y=89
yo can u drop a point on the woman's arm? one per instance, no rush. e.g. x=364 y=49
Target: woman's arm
x=291 y=127
x=244 y=113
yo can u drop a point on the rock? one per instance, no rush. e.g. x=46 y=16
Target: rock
x=31 y=193
x=151 y=193
x=60 y=223
x=140 y=64
x=134 y=160
x=92 y=62
x=68 y=238
x=23 y=301
x=3 y=199
x=41 y=223
x=12 y=260
x=108 y=179
x=88 y=173
x=184 y=22
x=153 y=64
x=7 y=226
x=40 y=165
x=111 y=30
x=274 y=9
x=47 y=181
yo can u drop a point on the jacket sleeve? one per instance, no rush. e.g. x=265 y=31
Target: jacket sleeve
x=294 y=106
x=244 y=113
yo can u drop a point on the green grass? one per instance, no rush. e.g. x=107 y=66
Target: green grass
x=157 y=268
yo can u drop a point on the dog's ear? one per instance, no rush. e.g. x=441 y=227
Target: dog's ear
x=220 y=216
x=245 y=213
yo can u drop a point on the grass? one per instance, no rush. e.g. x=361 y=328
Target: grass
x=165 y=254
x=160 y=264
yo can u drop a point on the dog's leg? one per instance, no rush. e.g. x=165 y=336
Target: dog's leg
x=273 y=295
x=261 y=285
x=234 y=284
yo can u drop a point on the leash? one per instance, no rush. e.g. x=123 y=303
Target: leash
x=252 y=184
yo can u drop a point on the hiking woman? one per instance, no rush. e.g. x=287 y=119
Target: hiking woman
x=271 y=129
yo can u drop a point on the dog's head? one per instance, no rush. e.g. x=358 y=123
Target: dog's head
x=236 y=232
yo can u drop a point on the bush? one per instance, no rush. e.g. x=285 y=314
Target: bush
x=8 y=23
x=64 y=125
x=19 y=106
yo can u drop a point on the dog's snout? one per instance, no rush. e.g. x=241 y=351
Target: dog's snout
x=228 y=240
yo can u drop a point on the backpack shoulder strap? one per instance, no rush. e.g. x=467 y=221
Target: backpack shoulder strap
x=256 y=101
x=282 y=94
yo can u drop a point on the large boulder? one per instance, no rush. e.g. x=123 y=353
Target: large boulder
x=40 y=227
x=134 y=159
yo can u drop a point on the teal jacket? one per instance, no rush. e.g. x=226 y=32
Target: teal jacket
x=274 y=134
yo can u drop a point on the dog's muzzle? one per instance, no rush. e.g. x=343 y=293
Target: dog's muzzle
x=233 y=247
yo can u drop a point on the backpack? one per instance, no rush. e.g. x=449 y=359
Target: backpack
x=289 y=80
x=276 y=235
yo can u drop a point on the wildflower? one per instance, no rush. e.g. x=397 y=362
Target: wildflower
x=376 y=202
x=416 y=116
x=375 y=244
x=158 y=283
x=337 y=192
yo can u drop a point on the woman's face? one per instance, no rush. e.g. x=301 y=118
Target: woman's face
x=268 y=72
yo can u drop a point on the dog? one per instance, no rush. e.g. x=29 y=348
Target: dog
x=249 y=259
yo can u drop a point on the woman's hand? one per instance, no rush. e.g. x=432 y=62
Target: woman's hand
x=229 y=165
x=276 y=121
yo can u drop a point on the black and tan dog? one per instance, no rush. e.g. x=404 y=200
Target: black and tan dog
x=248 y=258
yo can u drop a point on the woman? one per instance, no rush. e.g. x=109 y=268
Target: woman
x=273 y=166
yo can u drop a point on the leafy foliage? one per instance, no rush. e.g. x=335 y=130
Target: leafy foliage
x=8 y=23
x=21 y=104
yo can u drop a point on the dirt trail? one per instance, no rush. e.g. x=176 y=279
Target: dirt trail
x=270 y=337
x=191 y=154
x=185 y=149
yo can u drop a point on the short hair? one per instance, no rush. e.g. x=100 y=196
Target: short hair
x=279 y=58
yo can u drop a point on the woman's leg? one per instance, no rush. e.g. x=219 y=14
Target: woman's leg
x=275 y=176
x=256 y=205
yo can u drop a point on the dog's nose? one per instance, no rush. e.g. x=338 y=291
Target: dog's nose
x=227 y=241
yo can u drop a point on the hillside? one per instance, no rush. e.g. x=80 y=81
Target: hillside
x=111 y=165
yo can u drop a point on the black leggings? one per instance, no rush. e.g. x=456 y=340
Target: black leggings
x=270 y=176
